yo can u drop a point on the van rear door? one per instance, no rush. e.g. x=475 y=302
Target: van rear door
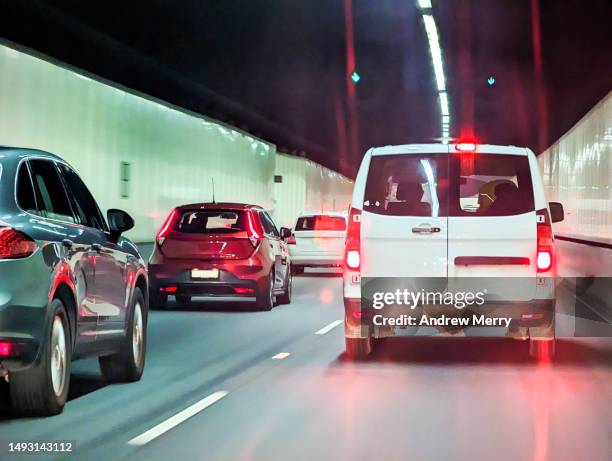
x=492 y=224
x=320 y=235
x=404 y=218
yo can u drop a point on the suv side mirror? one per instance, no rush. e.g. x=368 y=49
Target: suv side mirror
x=118 y=222
x=285 y=233
x=556 y=212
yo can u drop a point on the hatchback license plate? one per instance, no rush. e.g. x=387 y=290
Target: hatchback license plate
x=204 y=273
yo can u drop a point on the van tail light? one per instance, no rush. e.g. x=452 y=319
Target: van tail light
x=352 y=252
x=291 y=240
x=166 y=228
x=544 y=258
x=254 y=229
x=15 y=244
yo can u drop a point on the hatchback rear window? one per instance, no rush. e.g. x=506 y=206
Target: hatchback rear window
x=212 y=221
x=449 y=185
x=320 y=223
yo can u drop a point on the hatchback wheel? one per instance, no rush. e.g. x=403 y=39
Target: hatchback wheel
x=285 y=298
x=43 y=388
x=128 y=363
x=265 y=297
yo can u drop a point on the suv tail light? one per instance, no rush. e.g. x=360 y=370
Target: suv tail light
x=254 y=229
x=14 y=244
x=166 y=228
x=291 y=240
x=544 y=258
x=352 y=252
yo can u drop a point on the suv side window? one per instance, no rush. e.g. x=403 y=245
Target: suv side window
x=49 y=191
x=85 y=206
x=268 y=225
x=25 y=190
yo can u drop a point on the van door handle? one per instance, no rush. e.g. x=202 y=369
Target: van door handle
x=96 y=247
x=67 y=243
x=425 y=230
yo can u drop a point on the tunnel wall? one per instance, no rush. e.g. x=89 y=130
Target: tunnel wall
x=577 y=171
x=141 y=154
x=307 y=186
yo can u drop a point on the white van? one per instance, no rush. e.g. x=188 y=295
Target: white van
x=464 y=213
x=318 y=240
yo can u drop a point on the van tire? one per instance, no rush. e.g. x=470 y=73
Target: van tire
x=542 y=349
x=32 y=390
x=127 y=365
x=358 y=348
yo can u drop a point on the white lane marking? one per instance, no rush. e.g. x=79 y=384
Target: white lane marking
x=328 y=328
x=281 y=356
x=177 y=419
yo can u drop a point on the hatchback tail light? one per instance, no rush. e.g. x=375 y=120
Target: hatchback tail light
x=544 y=258
x=15 y=244
x=166 y=228
x=352 y=252
x=254 y=229
x=6 y=349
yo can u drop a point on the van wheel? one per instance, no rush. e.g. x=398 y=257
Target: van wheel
x=542 y=349
x=265 y=298
x=285 y=298
x=183 y=299
x=127 y=364
x=42 y=389
x=158 y=301
x=358 y=348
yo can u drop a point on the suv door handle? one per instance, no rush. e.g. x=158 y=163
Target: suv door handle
x=96 y=247
x=67 y=243
x=425 y=230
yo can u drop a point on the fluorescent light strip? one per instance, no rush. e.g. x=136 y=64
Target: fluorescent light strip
x=424 y=3
x=435 y=51
x=445 y=119
x=444 y=103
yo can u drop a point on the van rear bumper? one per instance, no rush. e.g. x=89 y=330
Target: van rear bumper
x=535 y=313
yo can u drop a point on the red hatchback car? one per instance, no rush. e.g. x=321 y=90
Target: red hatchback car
x=220 y=250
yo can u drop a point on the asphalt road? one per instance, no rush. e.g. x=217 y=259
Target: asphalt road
x=213 y=385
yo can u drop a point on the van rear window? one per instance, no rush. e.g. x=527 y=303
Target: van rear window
x=212 y=221
x=320 y=223
x=449 y=185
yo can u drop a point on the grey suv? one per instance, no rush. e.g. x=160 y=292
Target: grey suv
x=70 y=284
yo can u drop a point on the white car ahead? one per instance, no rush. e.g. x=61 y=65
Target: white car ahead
x=465 y=215
x=318 y=240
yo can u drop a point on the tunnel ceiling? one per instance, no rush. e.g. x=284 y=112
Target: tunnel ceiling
x=278 y=68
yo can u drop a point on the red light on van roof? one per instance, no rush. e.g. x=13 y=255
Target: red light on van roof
x=466 y=146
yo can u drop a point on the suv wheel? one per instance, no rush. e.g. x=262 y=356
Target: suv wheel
x=158 y=300
x=183 y=299
x=43 y=388
x=358 y=348
x=127 y=364
x=265 y=298
x=285 y=298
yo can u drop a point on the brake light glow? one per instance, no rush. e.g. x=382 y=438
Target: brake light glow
x=169 y=289
x=544 y=257
x=6 y=349
x=466 y=146
x=352 y=255
x=254 y=228
x=244 y=291
x=14 y=244
x=167 y=227
x=291 y=240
